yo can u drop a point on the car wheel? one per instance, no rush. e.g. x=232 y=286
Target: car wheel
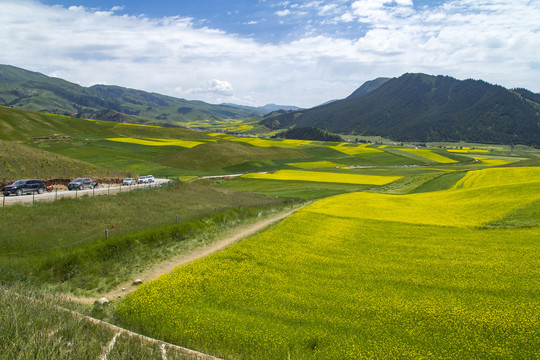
x=18 y=192
x=40 y=191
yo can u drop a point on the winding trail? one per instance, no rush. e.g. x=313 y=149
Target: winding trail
x=169 y=265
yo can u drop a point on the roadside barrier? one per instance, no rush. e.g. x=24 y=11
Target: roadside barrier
x=11 y=200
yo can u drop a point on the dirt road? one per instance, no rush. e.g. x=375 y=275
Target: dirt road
x=171 y=264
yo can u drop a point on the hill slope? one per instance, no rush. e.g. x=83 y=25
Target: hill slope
x=419 y=107
x=28 y=90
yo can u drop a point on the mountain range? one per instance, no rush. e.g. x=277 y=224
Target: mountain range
x=29 y=90
x=423 y=108
x=413 y=108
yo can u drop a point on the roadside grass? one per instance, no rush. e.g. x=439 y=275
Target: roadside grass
x=63 y=243
x=353 y=288
x=34 y=327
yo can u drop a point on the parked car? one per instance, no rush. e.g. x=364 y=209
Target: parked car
x=143 y=180
x=20 y=187
x=129 y=181
x=82 y=183
x=150 y=178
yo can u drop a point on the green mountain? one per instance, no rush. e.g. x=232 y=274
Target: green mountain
x=308 y=133
x=368 y=87
x=28 y=90
x=423 y=108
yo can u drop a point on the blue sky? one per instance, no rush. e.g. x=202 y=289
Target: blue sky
x=265 y=51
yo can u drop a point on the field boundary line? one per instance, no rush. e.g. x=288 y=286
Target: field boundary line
x=109 y=347
x=198 y=355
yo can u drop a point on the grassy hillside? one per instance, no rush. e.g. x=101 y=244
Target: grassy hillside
x=23 y=89
x=19 y=161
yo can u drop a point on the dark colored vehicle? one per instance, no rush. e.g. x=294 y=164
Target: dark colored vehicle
x=20 y=187
x=82 y=183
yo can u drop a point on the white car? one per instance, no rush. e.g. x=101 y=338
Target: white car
x=150 y=178
x=143 y=180
x=129 y=181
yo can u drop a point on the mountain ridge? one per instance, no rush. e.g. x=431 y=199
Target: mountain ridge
x=20 y=88
x=426 y=108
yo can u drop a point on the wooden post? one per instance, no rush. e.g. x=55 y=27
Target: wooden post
x=106 y=234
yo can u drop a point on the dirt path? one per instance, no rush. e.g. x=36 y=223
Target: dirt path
x=171 y=264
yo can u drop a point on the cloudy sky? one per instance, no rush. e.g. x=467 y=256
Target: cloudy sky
x=254 y=52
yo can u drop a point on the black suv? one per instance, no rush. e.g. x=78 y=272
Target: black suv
x=20 y=187
x=82 y=183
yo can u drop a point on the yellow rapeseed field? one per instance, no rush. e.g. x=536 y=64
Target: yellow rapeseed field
x=158 y=142
x=467 y=151
x=352 y=149
x=263 y=142
x=428 y=154
x=499 y=177
x=492 y=161
x=299 y=175
x=364 y=276
x=482 y=196
x=316 y=164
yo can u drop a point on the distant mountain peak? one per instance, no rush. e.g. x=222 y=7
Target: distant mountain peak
x=426 y=108
x=368 y=87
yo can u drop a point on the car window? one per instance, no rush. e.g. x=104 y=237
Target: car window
x=19 y=182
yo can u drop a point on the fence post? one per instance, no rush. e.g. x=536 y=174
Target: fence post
x=3 y=201
x=55 y=194
x=106 y=234
x=33 y=196
x=109 y=189
x=76 y=193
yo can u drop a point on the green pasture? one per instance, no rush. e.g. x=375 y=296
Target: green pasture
x=62 y=244
x=306 y=190
x=21 y=161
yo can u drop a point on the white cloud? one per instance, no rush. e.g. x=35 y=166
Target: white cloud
x=495 y=41
x=214 y=87
x=283 y=12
